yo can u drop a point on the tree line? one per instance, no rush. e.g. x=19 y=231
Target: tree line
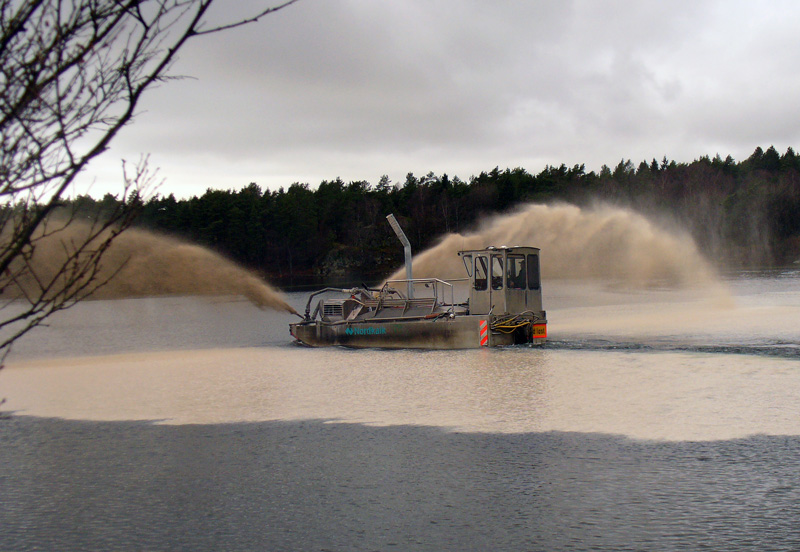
x=742 y=213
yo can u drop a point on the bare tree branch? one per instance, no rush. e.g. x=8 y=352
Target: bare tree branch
x=72 y=74
x=247 y=21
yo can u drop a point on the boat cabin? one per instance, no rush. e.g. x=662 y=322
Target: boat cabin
x=503 y=280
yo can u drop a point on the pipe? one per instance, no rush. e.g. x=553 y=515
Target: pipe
x=406 y=249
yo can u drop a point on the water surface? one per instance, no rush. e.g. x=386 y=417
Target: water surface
x=654 y=420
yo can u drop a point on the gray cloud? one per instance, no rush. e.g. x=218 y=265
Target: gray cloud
x=357 y=88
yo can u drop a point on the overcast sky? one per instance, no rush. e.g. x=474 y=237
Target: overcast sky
x=361 y=88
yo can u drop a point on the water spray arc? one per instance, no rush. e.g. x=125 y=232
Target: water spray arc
x=144 y=264
x=604 y=243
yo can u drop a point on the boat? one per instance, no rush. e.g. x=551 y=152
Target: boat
x=504 y=306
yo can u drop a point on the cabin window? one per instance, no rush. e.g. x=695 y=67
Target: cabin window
x=468 y=264
x=533 y=272
x=515 y=272
x=497 y=272
x=481 y=273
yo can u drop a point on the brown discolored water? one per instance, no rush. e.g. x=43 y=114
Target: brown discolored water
x=648 y=341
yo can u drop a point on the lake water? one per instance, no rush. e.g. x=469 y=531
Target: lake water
x=654 y=419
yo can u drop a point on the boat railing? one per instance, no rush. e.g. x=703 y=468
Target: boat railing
x=437 y=285
x=387 y=297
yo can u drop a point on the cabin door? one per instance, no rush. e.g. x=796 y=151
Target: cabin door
x=534 y=299
x=479 y=299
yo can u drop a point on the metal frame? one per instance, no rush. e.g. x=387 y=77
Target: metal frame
x=435 y=281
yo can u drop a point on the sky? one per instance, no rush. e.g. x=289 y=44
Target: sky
x=358 y=89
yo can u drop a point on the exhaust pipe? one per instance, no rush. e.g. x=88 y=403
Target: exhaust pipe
x=406 y=249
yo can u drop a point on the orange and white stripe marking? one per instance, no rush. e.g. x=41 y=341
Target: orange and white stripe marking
x=484 y=329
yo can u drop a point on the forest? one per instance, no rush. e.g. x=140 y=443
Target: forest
x=741 y=214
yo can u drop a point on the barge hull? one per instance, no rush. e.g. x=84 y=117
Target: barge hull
x=460 y=332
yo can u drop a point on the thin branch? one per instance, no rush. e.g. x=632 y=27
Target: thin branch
x=72 y=75
x=243 y=22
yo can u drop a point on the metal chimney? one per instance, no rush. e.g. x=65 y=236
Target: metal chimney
x=406 y=249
